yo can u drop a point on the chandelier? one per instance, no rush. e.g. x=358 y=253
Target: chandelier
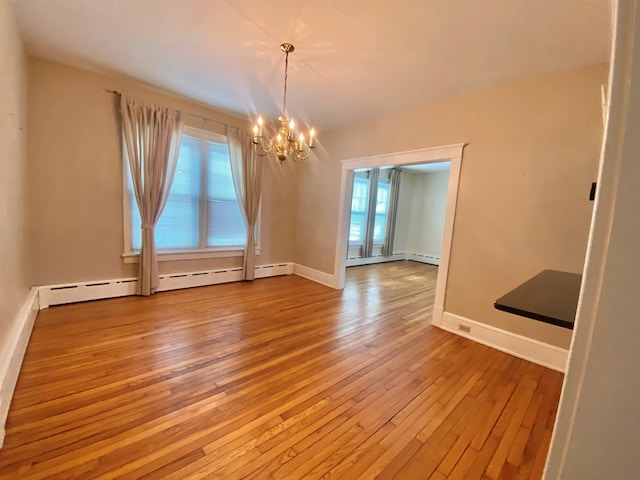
x=284 y=143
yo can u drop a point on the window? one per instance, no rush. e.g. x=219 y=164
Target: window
x=382 y=208
x=359 y=206
x=359 y=209
x=202 y=211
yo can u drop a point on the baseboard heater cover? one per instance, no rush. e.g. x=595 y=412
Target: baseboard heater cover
x=96 y=290
x=419 y=257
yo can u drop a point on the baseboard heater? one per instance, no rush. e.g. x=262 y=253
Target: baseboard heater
x=84 y=291
x=418 y=257
x=415 y=257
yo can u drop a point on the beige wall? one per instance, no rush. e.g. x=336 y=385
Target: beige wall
x=13 y=107
x=75 y=179
x=522 y=207
x=403 y=214
x=428 y=204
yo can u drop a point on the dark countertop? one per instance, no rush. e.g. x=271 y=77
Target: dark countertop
x=551 y=296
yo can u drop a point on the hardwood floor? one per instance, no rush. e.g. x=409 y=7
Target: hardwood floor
x=278 y=378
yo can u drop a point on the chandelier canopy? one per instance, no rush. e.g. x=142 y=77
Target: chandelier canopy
x=284 y=143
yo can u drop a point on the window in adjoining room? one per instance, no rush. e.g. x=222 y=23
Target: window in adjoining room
x=360 y=201
x=359 y=209
x=382 y=208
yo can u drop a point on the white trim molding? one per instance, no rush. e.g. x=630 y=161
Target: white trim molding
x=452 y=153
x=315 y=275
x=172 y=256
x=544 y=354
x=409 y=157
x=11 y=357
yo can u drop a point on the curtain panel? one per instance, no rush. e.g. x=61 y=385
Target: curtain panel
x=392 y=212
x=151 y=136
x=367 y=244
x=247 y=171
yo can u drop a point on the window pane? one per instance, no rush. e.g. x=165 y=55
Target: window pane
x=360 y=194
x=382 y=205
x=219 y=179
x=358 y=209
x=134 y=214
x=356 y=229
x=382 y=200
x=379 y=228
x=178 y=225
x=225 y=224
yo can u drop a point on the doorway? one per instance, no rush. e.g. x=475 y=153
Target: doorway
x=452 y=153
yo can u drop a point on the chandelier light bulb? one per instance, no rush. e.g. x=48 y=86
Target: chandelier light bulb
x=260 y=122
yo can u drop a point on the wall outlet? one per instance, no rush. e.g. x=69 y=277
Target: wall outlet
x=464 y=328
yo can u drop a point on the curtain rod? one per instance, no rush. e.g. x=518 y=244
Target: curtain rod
x=206 y=119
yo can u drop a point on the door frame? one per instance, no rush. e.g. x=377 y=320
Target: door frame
x=451 y=153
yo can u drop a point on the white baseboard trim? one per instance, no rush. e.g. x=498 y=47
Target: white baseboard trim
x=419 y=257
x=541 y=353
x=315 y=275
x=97 y=290
x=353 y=262
x=13 y=353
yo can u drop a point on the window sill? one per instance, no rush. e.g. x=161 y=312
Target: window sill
x=173 y=256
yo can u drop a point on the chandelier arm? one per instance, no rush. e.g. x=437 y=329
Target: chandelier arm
x=259 y=148
x=299 y=156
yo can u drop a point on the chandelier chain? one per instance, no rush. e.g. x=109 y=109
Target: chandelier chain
x=286 y=72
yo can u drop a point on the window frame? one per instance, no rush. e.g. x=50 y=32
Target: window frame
x=132 y=256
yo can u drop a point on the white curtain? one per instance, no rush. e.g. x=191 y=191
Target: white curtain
x=247 y=171
x=392 y=211
x=151 y=136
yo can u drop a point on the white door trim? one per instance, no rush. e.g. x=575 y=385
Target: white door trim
x=452 y=153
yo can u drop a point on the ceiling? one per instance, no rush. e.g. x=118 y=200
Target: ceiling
x=354 y=59
x=432 y=167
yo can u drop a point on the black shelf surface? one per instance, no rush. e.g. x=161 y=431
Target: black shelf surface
x=551 y=297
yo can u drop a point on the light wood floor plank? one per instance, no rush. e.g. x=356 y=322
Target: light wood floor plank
x=280 y=378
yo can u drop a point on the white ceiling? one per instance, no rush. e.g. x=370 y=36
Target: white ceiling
x=354 y=59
